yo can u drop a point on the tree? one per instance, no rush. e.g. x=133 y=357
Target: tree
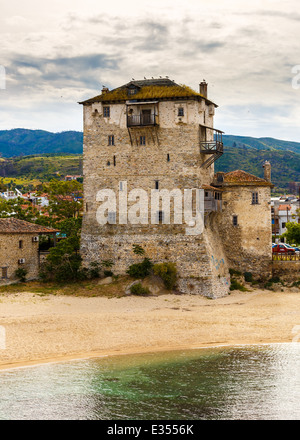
x=65 y=200
x=64 y=261
x=293 y=233
x=18 y=208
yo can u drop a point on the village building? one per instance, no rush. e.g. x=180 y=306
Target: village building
x=153 y=135
x=284 y=209
x=10 y=195
x=19 y=248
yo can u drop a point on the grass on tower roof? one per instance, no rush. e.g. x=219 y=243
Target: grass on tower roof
x=147 y=92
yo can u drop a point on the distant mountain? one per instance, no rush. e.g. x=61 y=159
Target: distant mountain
x=24 y=142
x=240 y=152
x=248 y=154
x=260 y=143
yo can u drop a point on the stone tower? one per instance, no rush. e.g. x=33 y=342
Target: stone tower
x=140 y=139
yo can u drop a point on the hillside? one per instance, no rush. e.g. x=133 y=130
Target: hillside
x=54 y=154
x=260 y=143
x=285 y=164
x=27 y=172
x=23 y=142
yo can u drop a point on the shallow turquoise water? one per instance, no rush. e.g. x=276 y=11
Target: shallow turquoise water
x=250 y=382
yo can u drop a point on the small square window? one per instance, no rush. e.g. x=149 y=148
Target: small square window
x=106 y=112
x=111 y=140
x=142 y=140
x=180 y=111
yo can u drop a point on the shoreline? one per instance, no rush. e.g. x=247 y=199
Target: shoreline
x=96 y=355
x=44 y=329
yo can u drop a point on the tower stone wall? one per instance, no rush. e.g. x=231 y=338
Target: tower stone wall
x=162 y=156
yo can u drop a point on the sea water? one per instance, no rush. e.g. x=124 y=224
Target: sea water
x=241 y=382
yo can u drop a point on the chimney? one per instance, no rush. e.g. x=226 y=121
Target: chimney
x=104 y=90
x=267 y=171
x=203 y=88
x=219 y=177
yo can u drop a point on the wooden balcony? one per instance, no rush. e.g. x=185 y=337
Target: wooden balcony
x=213 y=147
x=142 y=120
x=212 y=205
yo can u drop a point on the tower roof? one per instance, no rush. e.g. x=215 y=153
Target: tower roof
x=147 y=89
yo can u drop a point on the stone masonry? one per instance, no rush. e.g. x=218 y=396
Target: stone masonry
x=148 y=135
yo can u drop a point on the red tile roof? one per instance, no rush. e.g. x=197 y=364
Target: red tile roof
x=240 y=177
x=14 y=225
x=284 y=207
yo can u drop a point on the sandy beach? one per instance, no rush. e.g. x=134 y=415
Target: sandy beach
x=48 y=328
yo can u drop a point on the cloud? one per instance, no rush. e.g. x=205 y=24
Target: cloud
x=79 y=71
x=246 y=55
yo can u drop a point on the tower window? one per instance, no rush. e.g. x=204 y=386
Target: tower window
x=111 y=217
x=20 y=244
x=160 y=216
x=235 y=220
x=156 y=184
x=180 y=111
x=114 y=161
x=106 y=112
x=168 y=157
x=4 y=272
x=142 y=140
x=111 y=139
x=254 y=198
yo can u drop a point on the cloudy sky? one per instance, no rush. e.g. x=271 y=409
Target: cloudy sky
x=57 y=53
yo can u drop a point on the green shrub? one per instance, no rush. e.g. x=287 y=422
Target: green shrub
x=21 y=274
x=94 y=269
x=167 y=272
x=138 y=250
x=248 y=277
x=138 y=289
x=235 y=285
x=275 y=280
x=235 y=272
x=107 y=263
x=108 y=273
x=140 y=270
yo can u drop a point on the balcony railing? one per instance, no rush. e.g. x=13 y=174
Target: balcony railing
x=212 y=205
x=141 y=120
x=211 y=147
